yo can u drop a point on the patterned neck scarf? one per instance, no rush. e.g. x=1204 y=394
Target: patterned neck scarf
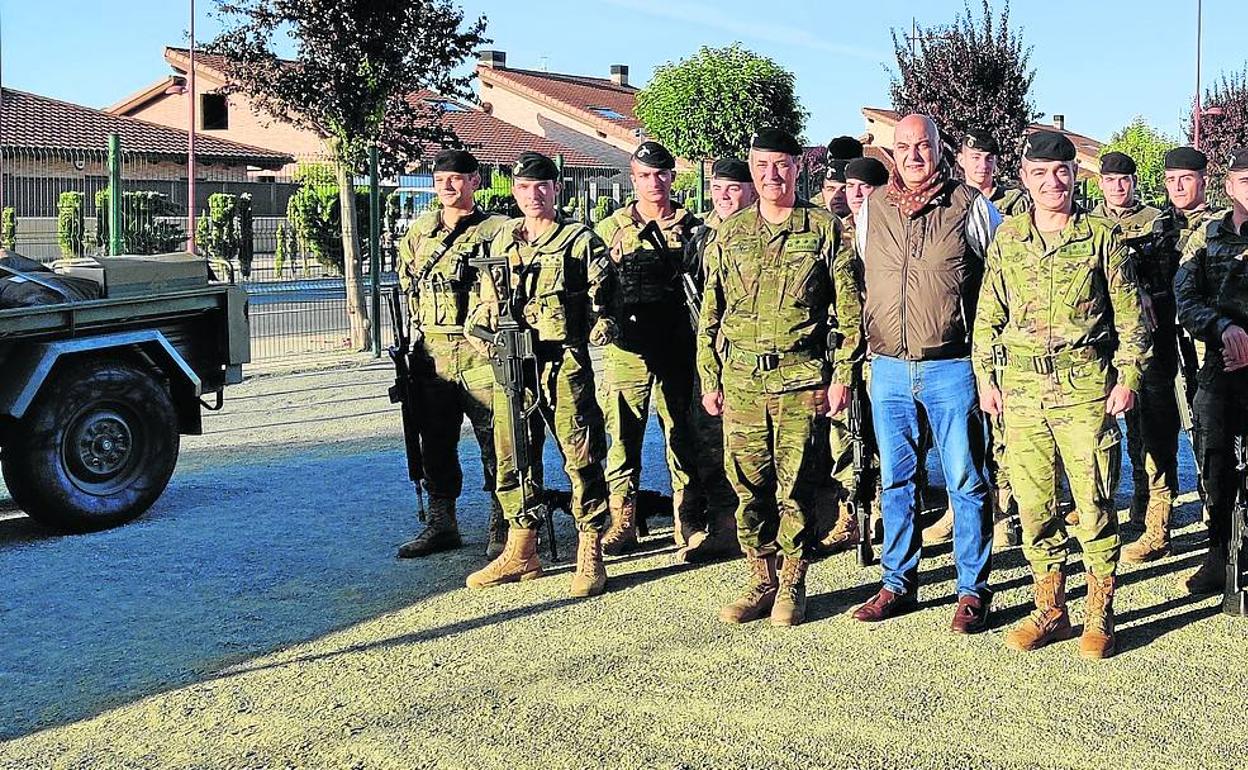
x=913 y=200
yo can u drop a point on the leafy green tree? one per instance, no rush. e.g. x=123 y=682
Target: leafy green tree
x=709 y=105
x=1147 y=146
x=358 y=64
x=1223 y=127
x=973 y=73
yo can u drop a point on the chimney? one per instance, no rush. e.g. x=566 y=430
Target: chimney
x=619 y=74
x=1059 y=122
x=496 y=60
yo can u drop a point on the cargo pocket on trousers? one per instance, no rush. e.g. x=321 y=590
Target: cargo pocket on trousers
x=1108 y=460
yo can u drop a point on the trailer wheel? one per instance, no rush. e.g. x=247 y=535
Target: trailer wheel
x=96 y=448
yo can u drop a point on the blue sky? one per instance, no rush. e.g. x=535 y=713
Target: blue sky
x=1099 y=62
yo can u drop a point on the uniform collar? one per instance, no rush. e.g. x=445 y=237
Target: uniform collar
x=1077 y=229
x=798 y=221
x=435 y=225
x=543 y=240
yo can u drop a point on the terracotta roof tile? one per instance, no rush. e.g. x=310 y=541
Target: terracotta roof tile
x=598 y=101
x=38 y=122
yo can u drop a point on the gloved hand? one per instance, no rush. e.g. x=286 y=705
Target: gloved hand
x=605 y=332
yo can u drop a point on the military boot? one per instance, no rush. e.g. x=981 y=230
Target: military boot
x=1005 y=534
x=517 y=562
x=1138 y=512
x=941 y=531
x=844 y=534
x=441 y=532
x=1049 y=621
x=688 y=518
x=720 y=542
x=789 y=608
x=1155 y=542
x=1097 y=640
x=622 y=534
x=759 y=595
x=498 y=530
x=590 y=577
x=1210 y=576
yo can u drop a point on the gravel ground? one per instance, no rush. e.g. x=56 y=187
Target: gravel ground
x=257 y=617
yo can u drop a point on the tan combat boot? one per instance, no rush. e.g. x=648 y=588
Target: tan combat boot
x=941 y=531
x=498 y=530
x=1210 y=576
x=1155 y=542
x=688 y=518
x=789 y=608
x=844 y=534
x=517 y=562
x=590 y=577
x=720 y=542
x=1098 y=624
x=759 y=595
x=622 y=534
x=1049 y=621
x=441 y=532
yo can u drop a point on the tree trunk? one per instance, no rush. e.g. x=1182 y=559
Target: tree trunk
x=352 y=261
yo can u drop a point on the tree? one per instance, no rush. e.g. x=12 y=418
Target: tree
x=1226 y=129
x=1147 y=146
x=709 y=105
x=971 y=74
x=358 y=67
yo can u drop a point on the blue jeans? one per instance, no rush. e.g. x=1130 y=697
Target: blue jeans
x=945 y=392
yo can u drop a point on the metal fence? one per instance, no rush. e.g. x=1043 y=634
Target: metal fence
x=291 y=265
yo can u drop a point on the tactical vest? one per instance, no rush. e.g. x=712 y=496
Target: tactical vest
x=549 y=282
x=440 y=272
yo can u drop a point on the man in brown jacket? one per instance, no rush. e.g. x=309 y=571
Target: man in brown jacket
x=922 y=239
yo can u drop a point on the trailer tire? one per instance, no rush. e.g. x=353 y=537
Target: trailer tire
x=96 y=448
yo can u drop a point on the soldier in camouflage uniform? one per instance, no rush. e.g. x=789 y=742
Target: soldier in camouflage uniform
x=1059 y=350
x=454 y=379
x=1211 y=290
x=841 y=151
x=732 y=189
x=648 y=347
x=783 y=288
x=549 y=262
x=1153 y=426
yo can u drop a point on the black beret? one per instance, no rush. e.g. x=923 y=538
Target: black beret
x=534 y=165
x=654 y=155
x=844 y=148
x=868 y=170
x=455 y=161
x=983 y=141
x=1048 y=145
x=1238 y=160
x=731 y=169
x=775 y=140
x=1186 y=159
x=1117 y=163
x=836 y=171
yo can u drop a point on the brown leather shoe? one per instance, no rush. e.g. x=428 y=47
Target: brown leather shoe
x=885 y=605
x=971 y=616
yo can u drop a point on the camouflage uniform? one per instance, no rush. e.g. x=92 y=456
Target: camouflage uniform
x=1153 y=426
x=652 y=354
x=1211 y=290
x=550 y=283
x=455 y=380
x=1054 y=314
x=775 y=294
x=1010 y=201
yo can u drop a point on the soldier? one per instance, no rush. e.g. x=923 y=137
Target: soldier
x=841 y=151
x=1059 y=350
x=1212 y=297
x=456 y=380
x=977 y=157
x=862 y=177
x=1153 y=426
x=648 y=346
x=732 y=189
x=549 y=262
x=783 y=288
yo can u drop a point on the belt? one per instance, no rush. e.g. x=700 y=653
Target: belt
x=1049 y=363
x=768 y=362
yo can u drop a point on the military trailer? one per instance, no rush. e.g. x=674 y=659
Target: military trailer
x=103 y=366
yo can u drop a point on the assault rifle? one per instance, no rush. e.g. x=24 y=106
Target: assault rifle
x=514 y=360
x=1235 y=596
x=859 y=507
x=405 y=392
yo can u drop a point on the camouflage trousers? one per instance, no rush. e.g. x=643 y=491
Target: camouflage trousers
x=567 y=407
x=708 y=431
x=1222 y=405
x=770 y=451
x=456 y=381
x=1153 y=426
x=630 y=380
x=1062 y=415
